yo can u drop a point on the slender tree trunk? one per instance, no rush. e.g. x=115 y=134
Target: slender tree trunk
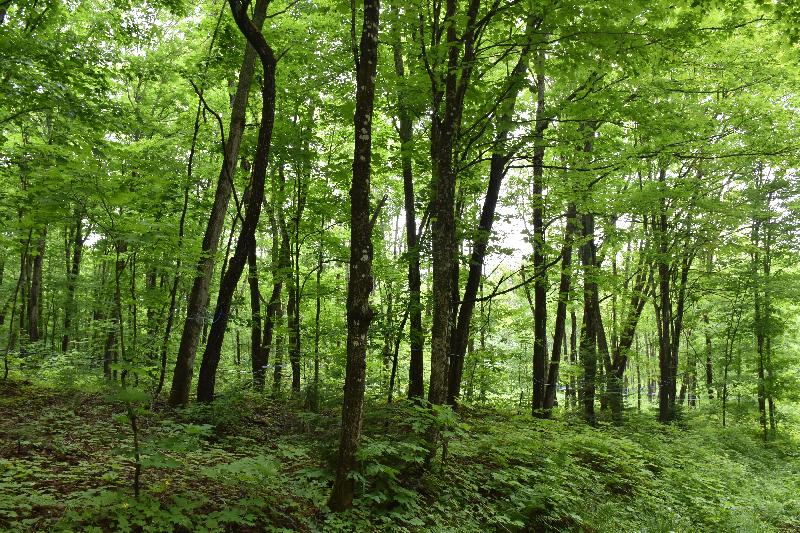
x=284 y=272
x=280 y=248
x=256 y=352
x=664 y=321
x=708 y=352
x=294 y=356
x=759 y=324
x=497 y=172
x=589 y=334
x=246 y=240
x=35 y=292
x=573 y=357
x=12 y=336
x=198 y=297
x=72 y=278
x=416 y=384
x=173 y=293
x=559 y=335
x=540 y=280
x=313 y=399
x=359 y=286
x=293 y=309
x=277 y=371
x=770 y=378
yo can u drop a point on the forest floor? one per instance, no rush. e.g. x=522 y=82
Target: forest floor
x=246 y=463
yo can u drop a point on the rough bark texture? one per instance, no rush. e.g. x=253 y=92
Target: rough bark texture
x=198 y=297
x=246 y=240
x=359 y=286
x=444 y=134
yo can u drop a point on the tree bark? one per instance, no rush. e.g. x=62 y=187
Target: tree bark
x=256 y=351
x=35 y=291
x=588 y=349
x=443 y=135
x=540 y=281
x=359 y=286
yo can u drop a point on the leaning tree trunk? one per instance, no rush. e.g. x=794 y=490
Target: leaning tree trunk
x=198 y=297
x=359 y=285
x=246 y=240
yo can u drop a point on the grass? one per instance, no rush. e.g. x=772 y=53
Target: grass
x=246 y=463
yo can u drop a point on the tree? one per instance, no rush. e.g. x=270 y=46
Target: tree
x=247 y=239
x=359 y=286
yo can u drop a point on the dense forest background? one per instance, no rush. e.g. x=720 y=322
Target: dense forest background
x=437 y=265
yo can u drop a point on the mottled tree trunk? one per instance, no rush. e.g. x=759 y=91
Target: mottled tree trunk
x=359 y=286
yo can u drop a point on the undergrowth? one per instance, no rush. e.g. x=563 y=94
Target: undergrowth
x=245 y=463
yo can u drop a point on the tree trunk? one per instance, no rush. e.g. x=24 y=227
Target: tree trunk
x=416 y=384
x=559 y=335
x=359 y=286
x=497 y=172
x=313 y=396
x=246 y=240
x=35 y=291
x=72 y=278
x=293 y=309
x=444 y=134
x=588 y=335
x=282 y=273
x=198 y=297
x=256 y=352
x=291 y=317
x=540 y=281
x=12 y=335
